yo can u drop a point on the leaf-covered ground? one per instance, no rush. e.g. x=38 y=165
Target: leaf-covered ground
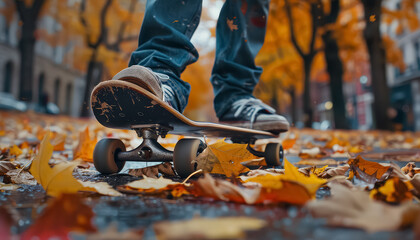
x=333 y=184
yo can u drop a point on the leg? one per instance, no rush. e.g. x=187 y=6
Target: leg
x=164 y=42
x=240 y=35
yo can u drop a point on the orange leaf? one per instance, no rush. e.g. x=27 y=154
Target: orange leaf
x=230 y=156
x=63 y=215
x=15 y=151
x=368 y=171
x=288 y=143
x=84 y=149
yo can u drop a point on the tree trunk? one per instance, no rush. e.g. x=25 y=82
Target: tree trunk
x=29 y=17
x=307 y=106
x=93 y=77
x=293 y=105
x=27 y=55
x=335 y=69
x=377 y=59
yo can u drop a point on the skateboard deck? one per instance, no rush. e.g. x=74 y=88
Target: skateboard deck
x=124 y=105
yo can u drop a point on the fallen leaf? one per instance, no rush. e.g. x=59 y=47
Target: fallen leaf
x=15 y=151
x=288 y=143
x=368 y=171
x=84 y=149
x=410 y=169
x=394 y=190
x=219 y=189
x=157 y=185
x=208 y=228
x=6 y=166
x=312 y=153
x=267 y=193
x=59 y=179
x=153 y=171
x=64 y=214
x=334 y=171
x=8 y=187
x=229 y=155
x=354 y=209
x=317 y=162
x=19 y=176
x=311 y=183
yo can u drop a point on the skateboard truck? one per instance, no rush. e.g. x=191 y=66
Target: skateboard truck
x=149 y=150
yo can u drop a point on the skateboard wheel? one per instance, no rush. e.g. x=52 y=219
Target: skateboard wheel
x=104 y=156
x=185 y=152
x=273 y=154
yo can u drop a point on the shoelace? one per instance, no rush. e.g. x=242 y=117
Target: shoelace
x=251 y=106
x=168 y=93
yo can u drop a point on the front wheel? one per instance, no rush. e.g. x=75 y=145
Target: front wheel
x=185 y=152
x=105 y=153
x=273 y=154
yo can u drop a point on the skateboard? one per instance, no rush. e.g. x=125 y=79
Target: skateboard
x=124 y=105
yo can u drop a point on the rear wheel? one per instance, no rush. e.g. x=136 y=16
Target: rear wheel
x=104 y=156
x=185 y=152
x=273 y=154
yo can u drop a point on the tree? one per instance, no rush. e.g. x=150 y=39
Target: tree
x=29 y=12
x=104 y=32
x=334 y=66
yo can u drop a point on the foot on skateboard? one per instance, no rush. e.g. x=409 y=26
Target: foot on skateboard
x=124 y=105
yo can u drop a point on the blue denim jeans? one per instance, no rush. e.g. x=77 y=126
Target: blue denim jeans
x=165 y=47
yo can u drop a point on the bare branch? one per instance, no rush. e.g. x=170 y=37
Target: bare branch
x=292 y=31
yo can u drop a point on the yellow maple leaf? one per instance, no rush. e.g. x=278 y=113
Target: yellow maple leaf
x=59 y=179
x=230 y=157
x=312 y=183
x=291 y=174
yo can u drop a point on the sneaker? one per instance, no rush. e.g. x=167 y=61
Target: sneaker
x=152 y=81
x=253 y=113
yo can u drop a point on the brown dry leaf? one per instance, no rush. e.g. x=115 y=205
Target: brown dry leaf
x=354 y=209
x=415 y=182
x=19 y=176
x=6 y=166
x=84 y=149
x=334 y=171
x=223 y=190
x=157 y=185
x=410 y=169
x=153 y=171
x=394 y=190
x=368 y=171
x=64 y=214
x=208 y=162
x=59 y=179
x=208 y=228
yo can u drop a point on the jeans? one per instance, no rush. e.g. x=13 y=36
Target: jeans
x=165 y=47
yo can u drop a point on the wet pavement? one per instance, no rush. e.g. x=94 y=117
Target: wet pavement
x=140 y=212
